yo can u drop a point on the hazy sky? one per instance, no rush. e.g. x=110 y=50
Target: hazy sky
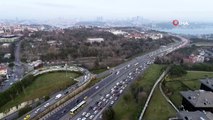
x=190 y=10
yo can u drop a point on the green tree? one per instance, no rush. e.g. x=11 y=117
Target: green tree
x=108 y=114
x=177 y=70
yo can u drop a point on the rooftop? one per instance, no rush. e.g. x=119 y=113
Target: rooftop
x=207 y=82
x=95 y=39
x=199 y=98
x=196 y=115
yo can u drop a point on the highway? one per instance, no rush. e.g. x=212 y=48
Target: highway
x=119 y=74
x=105 y=83
x=81 y=80
x=109 y=93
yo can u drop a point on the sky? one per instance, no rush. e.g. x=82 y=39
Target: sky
x=188 y=10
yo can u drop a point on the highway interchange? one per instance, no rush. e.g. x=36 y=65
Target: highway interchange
x=53 y=99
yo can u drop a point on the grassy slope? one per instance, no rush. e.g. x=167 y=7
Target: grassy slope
x=43 y=85
x=130 y=111
x=159 y=108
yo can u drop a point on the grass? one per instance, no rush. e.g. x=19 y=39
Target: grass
x=190 y=81
x=158 y=106
x=97 y=71
x=131 y=110
x=44 y=85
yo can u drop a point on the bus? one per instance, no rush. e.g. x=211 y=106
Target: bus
x=73 y=110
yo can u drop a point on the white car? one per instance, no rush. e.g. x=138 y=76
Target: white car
x=96 y=87
x=37 y=110
x=46 y=105
x=107 y=95
x=120 y=91
x=58 y=96
x=83 y=118
x=78 y=118
x=96 y=112
x=84 y=113
x=94 y=108
x=91 y=117
x=112 y=102
x=102 y=98
x=87 y=115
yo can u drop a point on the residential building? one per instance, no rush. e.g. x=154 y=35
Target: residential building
x=3 y=70
x=197 y=100
x=196 y=115
x=206 y=84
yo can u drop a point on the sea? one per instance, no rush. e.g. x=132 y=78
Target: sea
x=189 y=31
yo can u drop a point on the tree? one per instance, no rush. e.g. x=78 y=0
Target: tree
x=108 y=114
x=127 y=98
x=177 y=70
x=11 y=65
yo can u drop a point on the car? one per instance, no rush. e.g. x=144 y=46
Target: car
x=78 y=118
x=83 y=118
x=99 y=104
x=91 y=117
x=120 y=91
x=87 y=115
x=107 y=101
x=116 y=98
x=117 y=83
x=37 y=110
x=58 y=96
x=96 y=112
x=66 y=92
x=112 y=102
x=84 y=113
x=107 y=95
x=111 y=97
x=94 y=108
x=96 y=87
x=85 y=97
x=104 y=99
x=46 y=105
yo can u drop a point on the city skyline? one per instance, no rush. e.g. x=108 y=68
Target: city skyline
x=110 y=9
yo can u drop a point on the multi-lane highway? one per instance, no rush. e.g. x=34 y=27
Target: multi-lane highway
x=117 y=81
x=53 y=98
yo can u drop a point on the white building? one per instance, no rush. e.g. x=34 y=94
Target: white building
x=36 y=63
x=7 y=55
x=91 y=40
